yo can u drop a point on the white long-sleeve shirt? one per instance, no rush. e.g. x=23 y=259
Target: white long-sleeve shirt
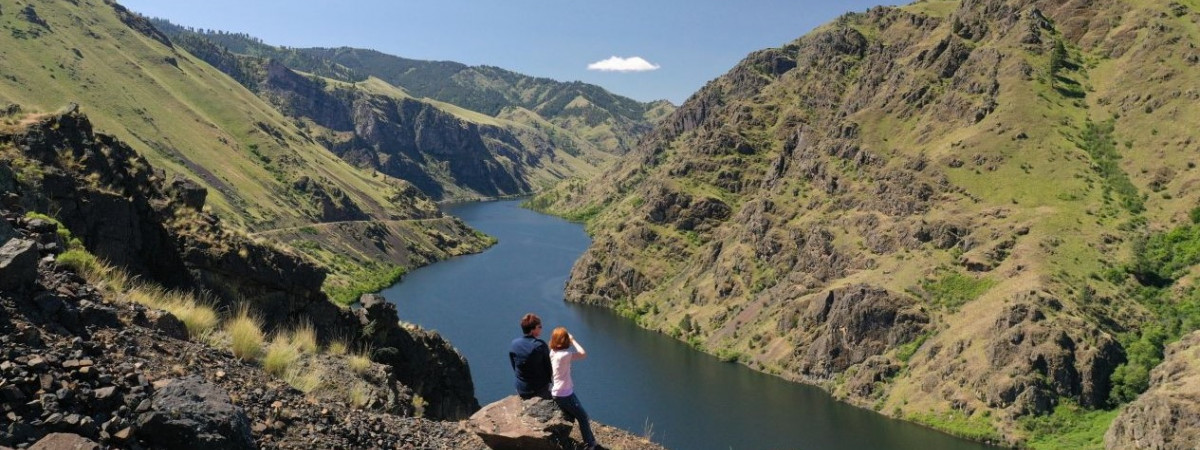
x=560 y=362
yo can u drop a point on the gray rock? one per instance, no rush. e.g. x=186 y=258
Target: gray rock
x=512 y=423
x=191 y=413
x=65 y=441
x=18 y=264
x=6 y=232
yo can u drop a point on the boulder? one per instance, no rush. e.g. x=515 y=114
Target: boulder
x=65 y=441
x=512 y=423
x=191 y=413
x=18 y=263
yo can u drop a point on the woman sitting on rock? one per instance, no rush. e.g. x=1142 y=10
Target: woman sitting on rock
x=563 y=350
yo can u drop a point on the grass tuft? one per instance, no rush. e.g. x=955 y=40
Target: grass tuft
x=304 y=380
x=360 y=361
x=280 y=356
x=359 y=395
x=246 y=336
x=337 y=348
x=304 y=338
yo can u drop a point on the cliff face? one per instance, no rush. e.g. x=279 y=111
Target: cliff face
x=408 y=139
x=912 y=207
x=128 y=214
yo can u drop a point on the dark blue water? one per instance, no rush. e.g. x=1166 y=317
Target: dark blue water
x=635 y=379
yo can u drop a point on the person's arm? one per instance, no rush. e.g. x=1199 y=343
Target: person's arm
x=580 y=353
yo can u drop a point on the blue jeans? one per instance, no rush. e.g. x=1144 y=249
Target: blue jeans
x=571 y=405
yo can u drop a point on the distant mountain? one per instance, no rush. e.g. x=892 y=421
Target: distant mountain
x=978 y=215
x=263 y=172
x=451 y=143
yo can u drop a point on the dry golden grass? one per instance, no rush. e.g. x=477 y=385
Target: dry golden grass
x=245 y=335
x=305 y=380
x=337 y=348
x=197 y=314
x=280 y=356
x=360 y=361
x=359 y=394
x=304 y=338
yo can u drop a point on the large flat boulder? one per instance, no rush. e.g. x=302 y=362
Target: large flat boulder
x=65 y=441
x=516 y=424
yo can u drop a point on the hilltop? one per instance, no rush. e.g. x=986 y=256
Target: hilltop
x=976 y=215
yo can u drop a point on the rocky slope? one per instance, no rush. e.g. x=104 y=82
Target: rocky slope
x=928 y=210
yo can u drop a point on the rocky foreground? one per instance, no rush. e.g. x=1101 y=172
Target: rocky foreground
x=80 y=368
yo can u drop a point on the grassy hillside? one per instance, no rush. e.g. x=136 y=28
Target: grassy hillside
x=957 y=213
x=185 y=116
x=609 y=122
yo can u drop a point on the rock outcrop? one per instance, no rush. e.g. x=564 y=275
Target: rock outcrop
x=515 y=424
x=423 y=360
x=1167 y=416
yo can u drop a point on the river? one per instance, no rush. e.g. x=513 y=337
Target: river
x=638 y=380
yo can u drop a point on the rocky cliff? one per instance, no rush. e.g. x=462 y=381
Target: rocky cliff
x=928 y=210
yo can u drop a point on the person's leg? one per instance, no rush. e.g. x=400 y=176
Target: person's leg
x=572 y=406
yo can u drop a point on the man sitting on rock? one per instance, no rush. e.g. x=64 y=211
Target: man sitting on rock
x=530 y=359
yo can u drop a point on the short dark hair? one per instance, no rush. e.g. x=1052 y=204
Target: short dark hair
x=529 y=322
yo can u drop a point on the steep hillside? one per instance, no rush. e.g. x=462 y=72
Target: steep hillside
x=261 y=170
x=609 y=122
x=973 y=215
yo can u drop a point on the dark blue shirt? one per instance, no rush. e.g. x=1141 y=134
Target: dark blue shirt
x=530 y=359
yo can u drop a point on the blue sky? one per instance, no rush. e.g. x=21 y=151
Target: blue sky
x=686 y=43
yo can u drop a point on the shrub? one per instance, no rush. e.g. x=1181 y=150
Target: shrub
x=281 y=354
x=246 y=336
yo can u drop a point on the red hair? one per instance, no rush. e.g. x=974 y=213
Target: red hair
x=560 y=340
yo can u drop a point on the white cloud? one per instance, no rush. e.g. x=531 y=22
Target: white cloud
x=618 y=64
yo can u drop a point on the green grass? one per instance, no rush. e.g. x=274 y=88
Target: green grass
x=954 y=289
x=364 y=280
x=80 y=261
x=976 y=427
x=1069 y=426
